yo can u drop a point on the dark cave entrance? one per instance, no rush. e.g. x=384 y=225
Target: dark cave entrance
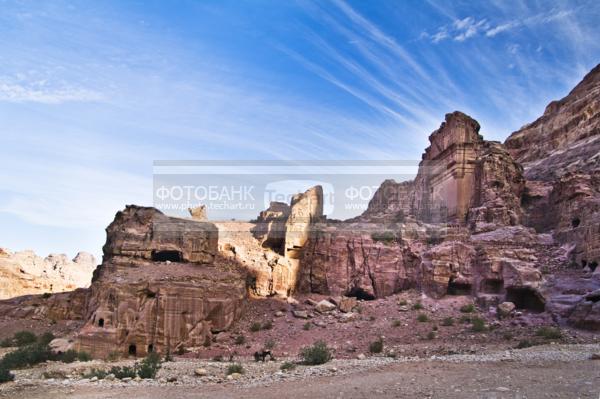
x=150 y=348
x=575 y=222
x=526 y=298
x=132 y=350
x=359 y=293
x=593 y=265
x=492 y=286
x=163 y=256
x=101 y=323
x=458 y=288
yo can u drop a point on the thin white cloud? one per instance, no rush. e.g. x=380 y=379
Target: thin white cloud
x=468 y=27
x=40 y=91
x=541 y=18
x=459 y=30
x=501 y=28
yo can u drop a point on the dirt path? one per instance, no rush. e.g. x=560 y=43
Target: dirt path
x=423 y=379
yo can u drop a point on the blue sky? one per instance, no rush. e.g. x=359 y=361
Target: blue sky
x=92 y=92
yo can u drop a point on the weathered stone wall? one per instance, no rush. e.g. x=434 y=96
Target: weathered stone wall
x=161 y=285
x=146 y=233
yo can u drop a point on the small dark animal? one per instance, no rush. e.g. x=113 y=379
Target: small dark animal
x=262 y=355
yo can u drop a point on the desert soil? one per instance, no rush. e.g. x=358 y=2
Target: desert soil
x=549 y=371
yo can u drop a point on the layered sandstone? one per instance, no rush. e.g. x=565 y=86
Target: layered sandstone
x=270 y=248
x=25 y=273
x=423 y=233
x=161 y=286
x=560 y=152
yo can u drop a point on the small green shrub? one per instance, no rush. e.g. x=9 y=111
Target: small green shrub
x=113 y=356
x=396 y=323
x=270 y=344
x=431 y=335
x=168 y=356
x=387 y=237
x=84 y=357
x=376 y=346
x=100 y=374
x=26 y=356
x=23 y=338
x=46 y=338
x=240 y=340
x=256 y=326
x=267 y=325
x=68 y=356
x=316 y=354
x=422 y=317
x=402 y=302
x=6 y=343
x=525 y=343
x=123 y=372
x=288 y=366
x=465 y=319
x=235 y=368
x=148 y=367
x=448 y=321
x=5 y=375
x=477 y=324
x=307 y=326
x=417 y=306
x=470 y=308
x=46 y=295
x=548 y=333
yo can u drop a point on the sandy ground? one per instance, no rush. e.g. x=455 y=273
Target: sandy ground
x=422 y=379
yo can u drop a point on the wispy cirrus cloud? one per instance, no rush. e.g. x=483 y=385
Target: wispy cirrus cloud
x=469 y=27
x=459 y=30
x=44 y=91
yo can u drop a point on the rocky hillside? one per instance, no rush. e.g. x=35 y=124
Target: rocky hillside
x=513 y=227
x=566 y=138
x=24 y=273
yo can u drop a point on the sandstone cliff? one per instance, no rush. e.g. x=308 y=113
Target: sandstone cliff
x=161 y=286
x=25 y=273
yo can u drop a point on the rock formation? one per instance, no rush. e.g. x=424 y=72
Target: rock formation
x=306 y=209
x=560 y=153
x=161 y=285
x=450 y=231
x=25 y=273
x=514 y=224
x=270 y=248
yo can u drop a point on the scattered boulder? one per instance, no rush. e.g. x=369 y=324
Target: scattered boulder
x=201 y=372
x=60 y=345
x=324 y=306
x=347 y=304
x=300 y=314
x=505 y=309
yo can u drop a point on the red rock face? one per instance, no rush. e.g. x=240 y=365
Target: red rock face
x=567 y=132
x=418 y=234
x=348 y=261
x=161 y=285
x=496 y=222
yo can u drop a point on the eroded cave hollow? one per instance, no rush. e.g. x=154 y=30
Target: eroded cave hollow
x=526 y=298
